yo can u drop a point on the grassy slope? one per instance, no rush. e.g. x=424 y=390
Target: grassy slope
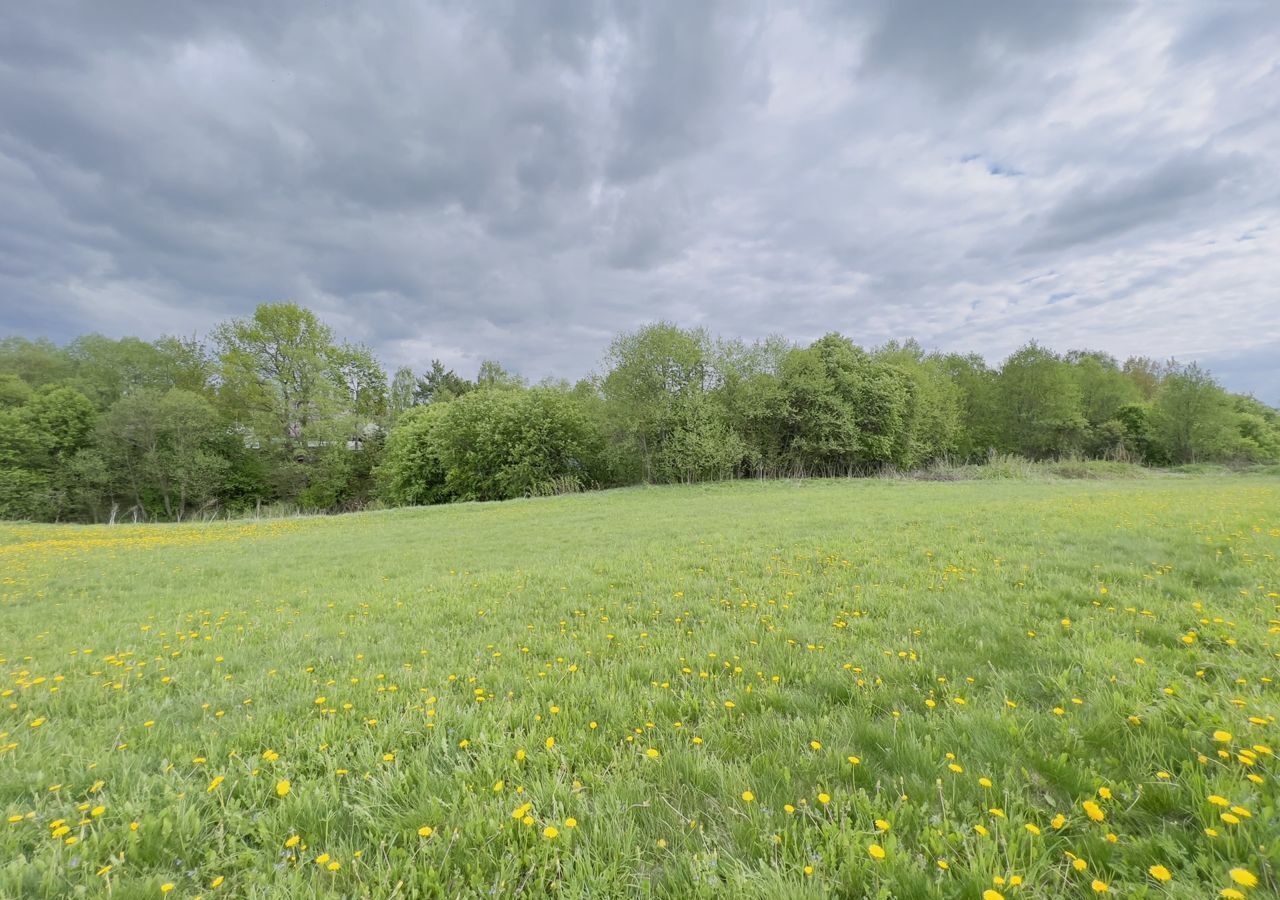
x=825 y=611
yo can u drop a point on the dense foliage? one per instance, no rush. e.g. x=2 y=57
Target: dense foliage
x=276 y=410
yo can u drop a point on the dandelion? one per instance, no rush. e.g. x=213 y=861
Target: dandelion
x=292 y=841
x=213 y=785
x=570 y=822
x=876 y=851
x=824 y=799
x=989 y=894
x=1093 y=811
x=748 y=797
x=1160 y=873
x=652 y=753
x=217 y=882
x=1099 y=886
x=814 y=745
x=167 y=887
x=551 y=832
x=282 y=787
x=426 y=831
x=549 y=743
x=1244 y=878
x=1222 y=737
x=882 y=825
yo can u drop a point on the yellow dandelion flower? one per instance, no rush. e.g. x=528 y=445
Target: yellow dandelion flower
x=876 y=851
x=1160 y=873
x=1244 y=878
x=748 y=797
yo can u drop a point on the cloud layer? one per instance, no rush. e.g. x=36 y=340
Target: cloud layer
x=519 y=180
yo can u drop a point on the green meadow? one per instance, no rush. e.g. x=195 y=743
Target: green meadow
x=854 y=688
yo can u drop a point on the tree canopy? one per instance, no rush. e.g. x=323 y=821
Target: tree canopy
x=276 y=409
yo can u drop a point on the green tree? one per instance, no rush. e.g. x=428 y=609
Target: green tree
x=1040 y=405
x=1194 y=418
x=649 y=371
x=167 y=451
x=440 y=385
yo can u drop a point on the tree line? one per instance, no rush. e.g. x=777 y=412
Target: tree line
x=275 y=409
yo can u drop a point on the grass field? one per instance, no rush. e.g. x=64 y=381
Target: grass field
x=853 y=688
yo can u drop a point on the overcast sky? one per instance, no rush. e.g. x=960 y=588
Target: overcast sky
x=520 y=180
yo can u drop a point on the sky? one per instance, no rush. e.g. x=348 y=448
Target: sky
x=520 y=180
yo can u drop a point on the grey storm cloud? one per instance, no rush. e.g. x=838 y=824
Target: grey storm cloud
x=520 y=180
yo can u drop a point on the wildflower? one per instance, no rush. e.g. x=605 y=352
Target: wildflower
x=652 y=753
x=1099 y=887
x=1093 y=810
x=217 y=882
x=1079 y=864
x=551 y=832
x=814 y=745
x=292 y=841
x=748 y=797
x=989 y=894
x=549 y=743
x=570 y=822
x=985 y=782
x=1244 y=878
x=1231 y=894
x=876 y=851
x=1058 y=821
x=167 y=887
x=824 y=799
x=213 y=785
x=426 y=831
x=282 y=787
x=1160 y=873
